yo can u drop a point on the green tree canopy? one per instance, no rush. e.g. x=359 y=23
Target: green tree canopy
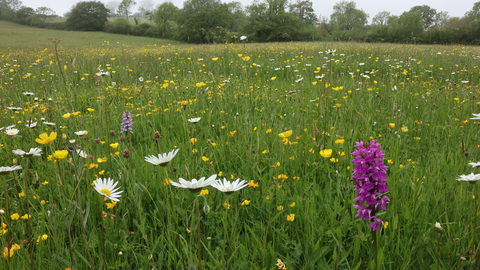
x=87 y=16
x=346 y=16
x=165 y=18
x=125 y=7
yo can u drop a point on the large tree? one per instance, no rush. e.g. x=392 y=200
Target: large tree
x=87 y=16
x=427 y=13
x=44 y=12
x=165 y=18
x=125 y=8
x=203 y=20
x=346 y=16
x=303 y=9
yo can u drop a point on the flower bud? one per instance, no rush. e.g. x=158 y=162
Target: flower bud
x=438 y=227
x=112 y=133
x=15 y=161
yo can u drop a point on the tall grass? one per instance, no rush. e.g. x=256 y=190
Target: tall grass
x=246 y=96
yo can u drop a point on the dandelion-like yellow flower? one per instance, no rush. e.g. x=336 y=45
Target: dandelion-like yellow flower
x=60 y=154
x=291 y=217
x=45 y=139
x=193 y=140
x=326 y=153
x=114 y=145
x=391 y=125
x=404 y=129
x=286 y=134
x=15 y=216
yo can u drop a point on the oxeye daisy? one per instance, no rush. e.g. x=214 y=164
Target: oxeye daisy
x=471 y=178
x=11 y=131
x=194 y=120
x=162 y=159
x=81 y=133
x=229 y=187
x=6 y=170
x=33 y=152
x=195 y=185
x=106 y=187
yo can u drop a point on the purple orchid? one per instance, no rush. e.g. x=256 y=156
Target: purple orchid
x=127 y=122
x=370 y=182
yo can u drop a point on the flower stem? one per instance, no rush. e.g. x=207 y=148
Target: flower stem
x=225 y=230
x=176 y=221
x=28 y=217
x=199 y=254
x=7 y=220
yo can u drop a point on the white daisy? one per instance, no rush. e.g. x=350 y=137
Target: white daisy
x=476 y=116
x=474 y=164
x=5 y=170
x=49 y=123
x=471 y=178
x=330 y=51
x=33 y=152
x=163 y=159
x=28 y=93
x=31 y=125
x=106 y=187
x=11 y=131
x=243 y=37
x=194 y=120
x=229 y=187
x=81 y=133
x=82 y=153
x=195 y=185
x=15 y=108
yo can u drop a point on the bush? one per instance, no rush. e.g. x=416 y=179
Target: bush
x=119 y=26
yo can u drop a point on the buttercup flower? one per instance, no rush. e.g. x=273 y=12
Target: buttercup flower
x=60 y=154
x=45 y=139
x=162 y=159
x=326 y=153
x=229 y=187
x=106 y=187
x=285 y=134
x=195 y=185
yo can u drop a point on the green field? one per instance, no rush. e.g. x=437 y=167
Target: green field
x=284 y=117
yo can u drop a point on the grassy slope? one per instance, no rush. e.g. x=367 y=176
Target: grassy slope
x=16 y=36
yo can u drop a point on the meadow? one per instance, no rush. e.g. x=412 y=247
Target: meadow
x=284 y=117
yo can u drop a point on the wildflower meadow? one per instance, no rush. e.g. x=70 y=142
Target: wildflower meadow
x=239 y=156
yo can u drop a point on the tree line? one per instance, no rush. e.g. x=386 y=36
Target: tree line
x=211 y=21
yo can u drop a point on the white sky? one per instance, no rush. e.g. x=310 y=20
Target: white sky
x=456 y=8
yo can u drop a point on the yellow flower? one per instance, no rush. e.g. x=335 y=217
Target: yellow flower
x=338 y=105
x=337 y=88
x=219 y=174
x=100 y=160
x=282 y=176
x=291 y=217
x=90 y=110
x=45 y=183
x=252 y=184
x=246 y=202
x=12 y=249
x=280 y=207
x=292 y=205
x=21 y=194
x=101 y=172
x=264 y=151
x=404 y=129
x=26 y=216
x=391 y=125
x=42 y=202
x=314 y=83
x=193 y=140
x=111 y=205
x=339 y=141
x=92 y=165
x=76 y=113
x=273 y=78
x=114 y=145
x=268 y=131
x=60 y=154
x=401 y=165
x=385 y=225
x=66 y=116
x=326 y=153
x=45 y=139
x=204 y=192
x=286 y=134
x=215 y=58
x=204 y=158
x=15 y=216
x=194 y=151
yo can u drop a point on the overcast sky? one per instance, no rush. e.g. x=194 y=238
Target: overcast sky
x=456 y=8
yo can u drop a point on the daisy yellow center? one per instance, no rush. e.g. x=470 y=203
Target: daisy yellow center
x=105 y=191
x=11 y=132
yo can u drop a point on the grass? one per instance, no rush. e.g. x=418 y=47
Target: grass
x=17 y=37
x=417 y=102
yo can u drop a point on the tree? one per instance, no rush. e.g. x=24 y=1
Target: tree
x=238 y=16
x=112 y=7
x=44 y=12
x=381 y=18
x=203 y=20
x=87 y=16
x=8 y=8
x=24 y=12
x=164 y=18
x=125 y=7
x=304 y=11
x=346 y=16
x=427 y=13
x=146 y=6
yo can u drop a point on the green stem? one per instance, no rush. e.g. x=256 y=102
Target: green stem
x=7 y=220
x=198 y=235
x=176 y=220
x=28 y=217
x=225 y=230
